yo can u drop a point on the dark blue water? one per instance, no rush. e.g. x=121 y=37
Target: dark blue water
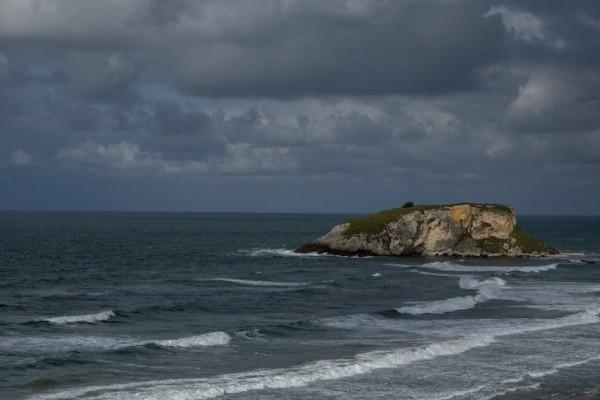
x=195 y=306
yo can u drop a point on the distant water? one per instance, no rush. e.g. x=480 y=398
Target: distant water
x=197 y=306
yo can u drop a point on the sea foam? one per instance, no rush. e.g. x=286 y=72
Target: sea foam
x=210 y=387
x=551 y=371
x=281 y=253
x=448 y=266
x=208 y=339
x=75 y=319
x=61 y=344
x=486 y=290
x=292 y=253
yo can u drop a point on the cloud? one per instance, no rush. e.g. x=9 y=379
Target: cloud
x=557 y=99
x=589 y=21
x=126 y=158
x=283 y=49
x=122 y=156
x=20 y=158
x=444 y=97
x=101 y=78
x=395 y=47
x=525 y=26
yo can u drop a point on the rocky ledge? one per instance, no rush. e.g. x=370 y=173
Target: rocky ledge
x=465 y=230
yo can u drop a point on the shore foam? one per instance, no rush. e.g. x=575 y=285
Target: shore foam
x=205 y=388
x=487 y=289
x=448 y=266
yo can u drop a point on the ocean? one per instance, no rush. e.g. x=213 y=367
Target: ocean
x=189 y=306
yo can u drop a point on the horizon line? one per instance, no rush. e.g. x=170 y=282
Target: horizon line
x=7 y=210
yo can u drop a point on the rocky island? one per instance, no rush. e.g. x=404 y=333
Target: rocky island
x=465 y=230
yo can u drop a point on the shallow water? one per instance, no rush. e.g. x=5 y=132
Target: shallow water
x=195 y=306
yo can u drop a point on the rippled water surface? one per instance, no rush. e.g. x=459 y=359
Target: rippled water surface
x=197 y=306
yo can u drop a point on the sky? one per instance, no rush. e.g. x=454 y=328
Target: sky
x=299 y=106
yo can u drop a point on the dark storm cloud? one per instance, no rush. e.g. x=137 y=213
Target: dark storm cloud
x=108 y=79
x=184 y=134
x=446 y=99
x=282 y=49
x=400 y=47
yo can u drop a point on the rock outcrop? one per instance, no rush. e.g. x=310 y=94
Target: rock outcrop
x=480 y=230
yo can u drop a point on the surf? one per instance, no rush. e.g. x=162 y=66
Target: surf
x=448 y=266
x=302 y=375
x=217 y=338
x=66 y=344
x=487 y=289
x=248 y=282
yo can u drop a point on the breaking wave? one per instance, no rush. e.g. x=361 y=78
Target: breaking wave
x=417 y=271
x=205 y=388
x=248 y=282
x=291 y=253
x=486 y=290
x=281 y=253
x=75 y=319
x=208 y=339
x=62 y=344
x=448 y=266
x=550 y=371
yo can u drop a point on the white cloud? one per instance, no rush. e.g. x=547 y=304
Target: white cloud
x=542 y=92
x=20 y=157
x=129 y=158
x=555 y=99
x=525 y=26
x=120 y=156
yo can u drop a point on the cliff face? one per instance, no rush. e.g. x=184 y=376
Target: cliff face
x=440 y=230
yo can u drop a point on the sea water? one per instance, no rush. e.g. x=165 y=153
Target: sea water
x=200 y=306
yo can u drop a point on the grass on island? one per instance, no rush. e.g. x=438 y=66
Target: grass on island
x=373 y=224
x=491 y=245
x=529 y=243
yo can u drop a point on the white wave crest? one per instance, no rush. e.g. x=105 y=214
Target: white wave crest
x=449 y=266
x=84 y=318
x=60 y=344
x=487 y=289
x=292 y=253
x=248 y=282
x=417 y=271
x=281 y=253
x=205 y=388
x=499 y=393
x=208 y=339
x=360 y=321
x=551 y=371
